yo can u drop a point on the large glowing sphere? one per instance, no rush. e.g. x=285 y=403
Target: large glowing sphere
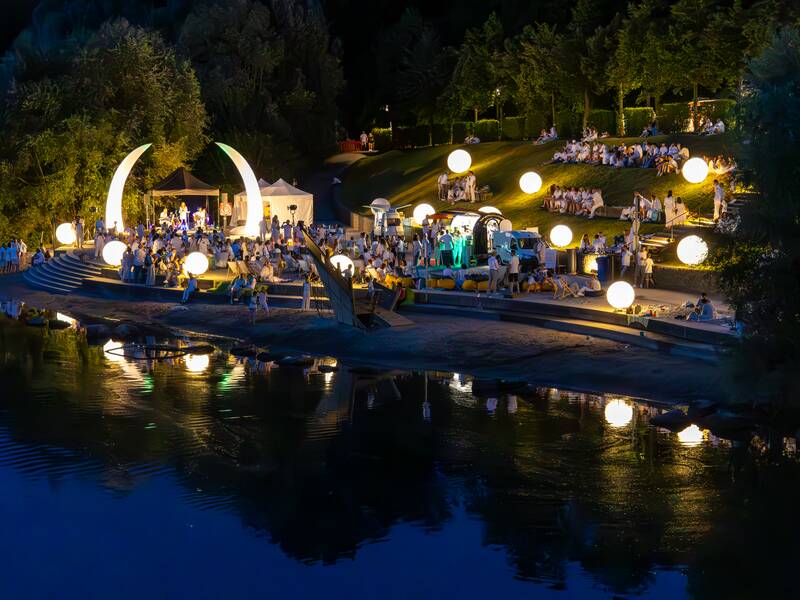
x=489 y=210
x=691 y=436
x=112 y=253
x=695 y=170
x=459 y=161
x=421 y=212
x=255 y=206
x=530 y=182
x=114 y=198
x=692 y=250
x=464 y=221
x=65 y=234
x=620 y=295
x=342 y=262
x=561 y=236
x=618 y=413
x=196 y=263
x=196 y=363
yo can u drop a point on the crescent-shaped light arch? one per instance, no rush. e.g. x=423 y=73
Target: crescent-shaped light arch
x=114 y=198
x=255 y=207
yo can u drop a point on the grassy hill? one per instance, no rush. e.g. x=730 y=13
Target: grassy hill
x=409 y=177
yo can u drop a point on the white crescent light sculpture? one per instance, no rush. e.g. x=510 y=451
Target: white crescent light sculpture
x=114 y=198
x=255 y=208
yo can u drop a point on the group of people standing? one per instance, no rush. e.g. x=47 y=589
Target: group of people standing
x=457 y=189
x=12 y=255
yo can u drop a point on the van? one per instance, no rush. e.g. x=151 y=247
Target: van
x=530 y=247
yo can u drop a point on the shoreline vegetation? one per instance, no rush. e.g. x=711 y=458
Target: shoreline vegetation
x=484 y=349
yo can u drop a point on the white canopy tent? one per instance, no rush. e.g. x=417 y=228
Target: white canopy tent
x=279 y=196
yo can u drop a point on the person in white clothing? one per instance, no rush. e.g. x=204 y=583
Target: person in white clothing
x=442 y=185
x=513 y=272
x=719 y=198
x=494 y=266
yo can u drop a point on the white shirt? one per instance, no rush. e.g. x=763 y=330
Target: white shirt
x=493 y=265
x=513 y=264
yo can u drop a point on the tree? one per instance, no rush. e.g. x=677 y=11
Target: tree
x=478 y=75
x=760 y=267
x=540 y=74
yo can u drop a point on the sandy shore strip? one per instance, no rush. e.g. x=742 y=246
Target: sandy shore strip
x=486 y=349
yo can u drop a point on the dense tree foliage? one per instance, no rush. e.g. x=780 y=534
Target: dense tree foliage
x=760 y=269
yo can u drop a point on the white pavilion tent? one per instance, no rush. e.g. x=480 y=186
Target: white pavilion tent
x=279 y=196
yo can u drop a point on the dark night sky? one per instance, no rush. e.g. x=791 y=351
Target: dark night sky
x=16 y=14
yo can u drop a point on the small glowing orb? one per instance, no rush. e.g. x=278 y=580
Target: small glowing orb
x=695 y=170
x=115 y=356
x=65 y=234
x=530 y=182
x=692 y=250
x=618 y=413
x=459 y=161
x=561 y=236
x=489 y=210
x=691 y=436
x=342 y=262
x=421 y=212
x=112 y=253
x=196 y=263
x=620 y=295
x=196 y=363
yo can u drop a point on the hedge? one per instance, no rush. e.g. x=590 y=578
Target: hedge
x=636 y=119
x=673 y=117
x=602 y=120
x=720 y=109
x=534 y=123
x=460 y=131
x=513 y=128
x=383 y=138
x=568 y=123
x=487 y=130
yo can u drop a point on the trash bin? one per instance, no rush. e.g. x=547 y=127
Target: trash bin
x=604 y=273
x=572 y=261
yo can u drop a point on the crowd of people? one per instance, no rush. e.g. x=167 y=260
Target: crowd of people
x=665 y=158
x=12 y=255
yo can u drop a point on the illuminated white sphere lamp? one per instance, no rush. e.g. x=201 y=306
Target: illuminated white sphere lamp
x=695 y=170
x=618 y=413
x=342 y=262
x=620 y=295
x=561 y=236
x=196 y=363
x=692 y=250
x=489 y=210
x=196 y=263
x=421 y=212
x=255 y=206
x=114 y=198
x=459 y=161
x=65 y=234
x=112 y=253
x=530 y=182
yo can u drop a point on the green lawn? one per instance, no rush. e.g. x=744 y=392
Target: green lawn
x=409 y=177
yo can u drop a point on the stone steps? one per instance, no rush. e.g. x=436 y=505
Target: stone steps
x=61 y=275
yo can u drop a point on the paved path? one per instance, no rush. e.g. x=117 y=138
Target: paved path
x=325 y=193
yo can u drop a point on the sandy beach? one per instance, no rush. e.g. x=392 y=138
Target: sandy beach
x=488 y=349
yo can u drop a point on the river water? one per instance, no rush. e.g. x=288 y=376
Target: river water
x=217 y=477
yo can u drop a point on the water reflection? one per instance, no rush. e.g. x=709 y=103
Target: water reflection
x=337 y=468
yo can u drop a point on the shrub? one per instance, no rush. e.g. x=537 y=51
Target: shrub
x=602 y=120
x=487 y=130
x=383 y=138
x=513 y=128
x=636 y=119
x=441 y=134
x=673 y=117
x=419 y=135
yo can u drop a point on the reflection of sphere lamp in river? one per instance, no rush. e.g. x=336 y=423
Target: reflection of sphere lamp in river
x=196 y=363
x=618 y=413
x=691 y=436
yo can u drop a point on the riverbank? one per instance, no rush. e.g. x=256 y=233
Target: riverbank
x=486 y=349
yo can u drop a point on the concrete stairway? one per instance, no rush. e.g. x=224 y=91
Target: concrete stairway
x=61 y=275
